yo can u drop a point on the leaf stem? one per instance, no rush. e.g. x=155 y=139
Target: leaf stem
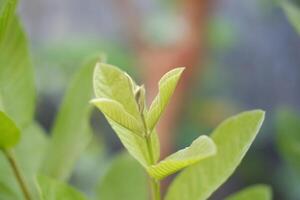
x=17 y=172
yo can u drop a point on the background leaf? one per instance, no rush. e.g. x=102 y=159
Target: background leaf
x=17 y=92
x=51 y=189
x=201 y=148
x=233 y=139
x=257 y=192
x=9 y=133
x=71 y=132
x=124 y=180
x=293 y=13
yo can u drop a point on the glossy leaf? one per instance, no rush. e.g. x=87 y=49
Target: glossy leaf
x=257 y=192
x=17 y=92
x=201 y=148
x=71 y=132
x=125 y=179
x=9 y=133
x=51 y=189
x=233 y=138
x=167 y=85
x=293 y=14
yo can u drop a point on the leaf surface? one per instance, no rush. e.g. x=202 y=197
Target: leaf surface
x=233 y=139
x=9 y=133
x=257 y=192
x=201 y=148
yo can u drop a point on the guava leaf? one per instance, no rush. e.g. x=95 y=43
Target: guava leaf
x=9 y=133
x=17 y=91
x=167 y=85
x=257 y=192
x=293 y=14
x=116 y=112
x=71 y=132
x=233 y=138
x=112 y=83
x=51 y=189
x=125 y=179
x=201 y=148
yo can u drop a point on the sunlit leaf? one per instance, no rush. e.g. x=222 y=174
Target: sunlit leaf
x=71 y=132
x=257 y=192
x=201 y=148
x=167 y=85
x=293 y=13
x=233 y=139
x=51 y=189
x=17 y=92
x=9 y=133
x=124 y=180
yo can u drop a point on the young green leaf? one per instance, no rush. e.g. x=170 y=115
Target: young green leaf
x=257 y=192
x=112 y=83
x=51 y=189
x=201 y=148
x=167 y=85
x=71 y=132
x=16 y=72
x=9 y=133
x=293 y=14
x=125 y=179
x=117 y=113
x=233 y=139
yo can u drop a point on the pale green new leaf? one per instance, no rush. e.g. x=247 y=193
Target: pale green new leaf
x=116 y=112
x=9 y=133
x=71 y=132
x=112 y=83
x=51 y=189
x=233 y=138
x=293 y=13
x=256 y=192
x=201 y=148
x=17 y=92
x=125 y=179
x=167 y=85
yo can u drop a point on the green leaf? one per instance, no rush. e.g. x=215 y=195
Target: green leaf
x=9 y=133
x=124 y=180
x=233 y=139
x=293 y=13
x=167 y=85
x=201 y=148
x=33 y=142
x=115 y=97
x=71 y=132
x=288 y=137
x=112 y=83
x=17 y=91
x=51 y=189
x=116 y=112
x=257 y=192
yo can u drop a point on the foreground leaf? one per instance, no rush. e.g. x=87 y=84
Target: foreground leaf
x=201 y=148
x=9 y=133
x=17 y=91
x=293 y=14
x=166 y=85
x=124 y=180
x=233 y=139
x=257 y=192
x=288 y=136
x=51 y=189
x=71 y=132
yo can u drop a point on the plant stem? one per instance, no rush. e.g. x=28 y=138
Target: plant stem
x=17 y=172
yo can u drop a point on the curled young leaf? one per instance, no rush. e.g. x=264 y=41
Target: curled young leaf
x=9 y=133
x=201 y=148
x=167 y=85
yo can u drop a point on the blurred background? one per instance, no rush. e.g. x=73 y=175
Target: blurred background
x=238 y=55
